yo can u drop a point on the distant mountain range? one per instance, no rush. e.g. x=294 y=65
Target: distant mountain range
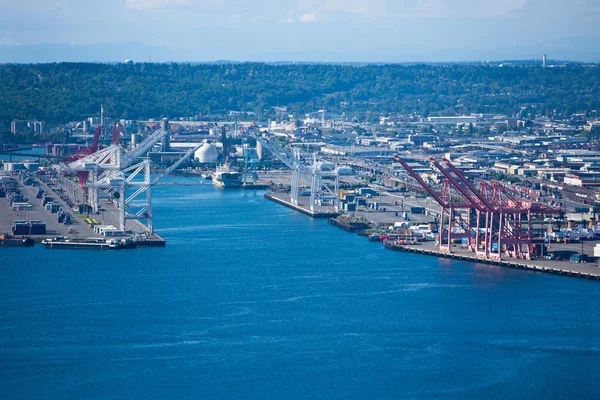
x=582 y=49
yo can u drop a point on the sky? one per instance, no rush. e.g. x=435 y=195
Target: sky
x=298 y=30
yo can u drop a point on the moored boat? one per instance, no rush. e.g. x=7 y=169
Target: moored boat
x=225 y=177
x=88 y=244
x=10 y=240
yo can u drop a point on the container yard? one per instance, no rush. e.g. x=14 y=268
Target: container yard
x=41 y=206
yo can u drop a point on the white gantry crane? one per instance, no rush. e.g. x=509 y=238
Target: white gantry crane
x=112 y=171
x=317 y=175
x=122 y=180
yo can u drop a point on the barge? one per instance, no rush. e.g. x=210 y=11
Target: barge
x=89 y=244
x=10 y=240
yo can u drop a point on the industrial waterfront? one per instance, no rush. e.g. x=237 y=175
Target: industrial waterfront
x=245 y=292
x=250 y=297
x=380 y=210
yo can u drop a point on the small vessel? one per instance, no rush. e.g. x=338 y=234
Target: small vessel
x=89 y=244
x=10 y=240
x=225 y=177
x=374 y=237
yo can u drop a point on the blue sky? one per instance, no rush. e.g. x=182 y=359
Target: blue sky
x=310 y=30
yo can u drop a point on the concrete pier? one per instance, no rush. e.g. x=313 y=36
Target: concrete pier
x=78 y=228
x=303 y=205
x=587 y=271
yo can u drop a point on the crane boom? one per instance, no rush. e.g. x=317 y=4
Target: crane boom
x=481 y=206
x=423 y=184
x=175 y=164
x=116 y=134
x=130 y=157
x=94 y=146
x=285 y=157
x=468 y=183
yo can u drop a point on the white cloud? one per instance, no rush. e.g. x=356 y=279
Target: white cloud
x=312 y=10
x=255 y=26
x=308 y=17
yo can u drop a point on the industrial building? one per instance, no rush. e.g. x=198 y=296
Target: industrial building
x=18 y=127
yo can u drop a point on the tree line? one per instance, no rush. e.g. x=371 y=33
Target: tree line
x=63 y=92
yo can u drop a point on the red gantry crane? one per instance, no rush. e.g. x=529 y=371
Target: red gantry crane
x=451 y=208
x=86 y=151
x=116 y=133
x=495 y=218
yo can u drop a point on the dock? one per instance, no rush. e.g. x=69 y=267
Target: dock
x=303 y=205
x=586 y=271
x=349 y=225
x=109 y=215
x=79 y=227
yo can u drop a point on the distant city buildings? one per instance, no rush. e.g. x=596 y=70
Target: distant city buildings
x=562 y=149
x=18 y=127
x=465 y=119
x=104 y=121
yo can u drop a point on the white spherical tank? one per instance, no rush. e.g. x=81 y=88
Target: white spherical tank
x=207 y=153
x=325 y=166
x=344 y=171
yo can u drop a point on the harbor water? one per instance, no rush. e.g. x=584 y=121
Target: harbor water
x=250 y=299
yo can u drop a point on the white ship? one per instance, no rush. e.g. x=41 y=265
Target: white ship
x=225 y=177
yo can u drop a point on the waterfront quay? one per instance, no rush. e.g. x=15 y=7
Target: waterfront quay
x=77 y=229
x=391 y=207
x=303 y=205
x=390 y=213
x=381 y=210
x=579 y=270
x=67 y=194
x=109 y=215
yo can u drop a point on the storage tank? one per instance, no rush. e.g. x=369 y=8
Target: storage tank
x=13 y=166
x=164 y=124
x=207 y=153
x=260 y=150
x=135 y=139
x=166 y=142
x=325 y=166
x=344 y=170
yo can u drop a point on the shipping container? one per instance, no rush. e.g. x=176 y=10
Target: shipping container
x=38 y=229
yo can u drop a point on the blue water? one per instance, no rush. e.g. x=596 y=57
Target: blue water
x=252 y=300
x=34 y=152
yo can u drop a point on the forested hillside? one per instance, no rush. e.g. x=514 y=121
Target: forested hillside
x=59 y=93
